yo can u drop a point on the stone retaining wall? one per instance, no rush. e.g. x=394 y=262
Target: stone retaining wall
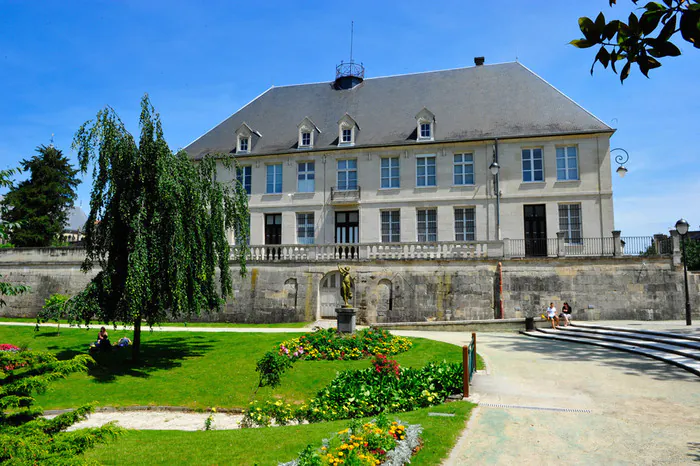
x=403 y=291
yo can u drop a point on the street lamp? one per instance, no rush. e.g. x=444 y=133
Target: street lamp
x=621 y=160
x=682 y=229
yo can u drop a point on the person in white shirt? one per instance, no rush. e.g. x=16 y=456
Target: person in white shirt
x=552 y=315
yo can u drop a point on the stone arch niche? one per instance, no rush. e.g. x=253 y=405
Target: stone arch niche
x=329 y=290
x=290 y=293
x=385 y=299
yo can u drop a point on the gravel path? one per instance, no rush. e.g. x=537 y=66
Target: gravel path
x=159 y=420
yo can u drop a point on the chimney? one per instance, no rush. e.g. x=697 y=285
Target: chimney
x=479 y=61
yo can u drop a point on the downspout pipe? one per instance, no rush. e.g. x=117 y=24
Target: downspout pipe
x=498 y=191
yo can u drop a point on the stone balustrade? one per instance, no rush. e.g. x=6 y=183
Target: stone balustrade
x=376 y=251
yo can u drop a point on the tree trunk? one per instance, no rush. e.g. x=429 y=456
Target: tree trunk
x=136 y=349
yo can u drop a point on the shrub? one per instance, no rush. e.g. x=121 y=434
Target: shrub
x=366 y=392
x=27 y=438
x=54 y=309
x=270 y=368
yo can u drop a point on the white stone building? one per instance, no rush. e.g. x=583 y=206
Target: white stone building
x=405 y=160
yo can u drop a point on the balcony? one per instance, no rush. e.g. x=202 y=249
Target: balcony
x=345 y=196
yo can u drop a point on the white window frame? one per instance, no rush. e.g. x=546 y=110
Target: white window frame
x=531 y=159
x=566 y=160
x=423 y=227
x=274 y=178
x=462 y=230
x=426 y=176
x=346 y=131
x=242 y=177
x=429 y=126
x=306 y=175
x=305 y=229
x=241 y=148
x=463 y=165
x=390 y=225
x=347 y=172
x=392 y=182
x=306 y=135
x=567 y=223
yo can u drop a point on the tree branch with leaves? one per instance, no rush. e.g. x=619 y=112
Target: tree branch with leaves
x=644 y=39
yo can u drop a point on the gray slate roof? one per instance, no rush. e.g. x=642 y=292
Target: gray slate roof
x=481 y=102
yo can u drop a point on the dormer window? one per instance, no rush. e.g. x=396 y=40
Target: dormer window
x=347 y=131
x=245 y=138
x=307 y=130
x=243 y=144
x=425 y=131
x=305 y=139
x=425 y=121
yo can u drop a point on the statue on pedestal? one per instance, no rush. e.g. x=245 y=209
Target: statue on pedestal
x=345 y=285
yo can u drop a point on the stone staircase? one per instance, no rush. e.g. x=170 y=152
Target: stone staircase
x=674 y=348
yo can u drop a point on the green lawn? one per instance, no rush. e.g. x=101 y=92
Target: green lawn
x=270 y=445
x=179 y=324
x=195 y=370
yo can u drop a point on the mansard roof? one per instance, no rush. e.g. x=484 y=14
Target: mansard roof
x=481 y=102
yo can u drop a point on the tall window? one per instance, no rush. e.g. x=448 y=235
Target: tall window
x=243 y=144
x=426 y=131
x=465 y=226
x=570 y=222
x=567 y=163
x=242 y=233
x=347 y=175
x=346 y=136
x=244 y=175
x=305 y=228
x=532 y=165
x=391 y=226
x=427 y=225
x=425 y=171
x=305 y=139
x=390 y=173
x=305 y=177
x=274 y=179
x=463 y=169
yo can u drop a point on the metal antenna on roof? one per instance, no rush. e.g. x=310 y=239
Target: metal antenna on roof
x=352 y=33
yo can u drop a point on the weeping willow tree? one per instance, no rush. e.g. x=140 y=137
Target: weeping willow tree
x=157 y=226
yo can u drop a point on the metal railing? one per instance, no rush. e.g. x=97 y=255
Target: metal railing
x=646 y=245
x=590 y=247
x=468 y=363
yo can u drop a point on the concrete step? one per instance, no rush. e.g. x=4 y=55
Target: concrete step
x=639 y=331
x=681 y=347
x=688 y=364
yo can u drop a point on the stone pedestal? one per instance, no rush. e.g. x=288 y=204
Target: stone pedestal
x=346 y=319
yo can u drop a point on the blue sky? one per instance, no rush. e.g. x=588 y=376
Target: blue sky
x=60 y=62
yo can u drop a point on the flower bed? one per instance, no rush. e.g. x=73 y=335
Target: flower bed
x=373 y=443
x=367 y=392
x=332 y=345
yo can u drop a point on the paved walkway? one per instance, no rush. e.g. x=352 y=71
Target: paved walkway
x=641 y=411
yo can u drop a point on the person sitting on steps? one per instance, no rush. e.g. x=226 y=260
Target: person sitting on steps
x=552 y=316
x=566 y=314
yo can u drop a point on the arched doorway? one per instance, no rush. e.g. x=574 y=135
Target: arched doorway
x=330 y=295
